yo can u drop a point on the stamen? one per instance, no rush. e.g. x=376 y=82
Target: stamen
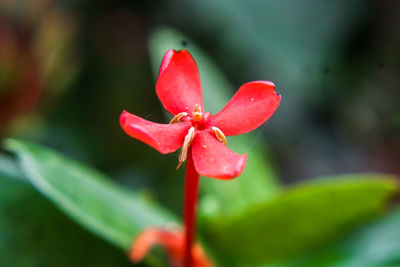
x=219 y=134
x=185 y=147
x=197 y=115
x=178 y=117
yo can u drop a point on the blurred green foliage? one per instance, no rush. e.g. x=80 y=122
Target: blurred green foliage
x=301 y=219
x=375 y=244
x=88 y=196
x=298 y=220
x=35 y=233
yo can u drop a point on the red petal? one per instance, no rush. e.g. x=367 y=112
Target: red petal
x=213 y=159
x=165 y=138
x=152 y=236
x=178 y=86
x=251 y=106
x=172 y=241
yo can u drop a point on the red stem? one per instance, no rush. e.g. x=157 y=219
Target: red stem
x=191 y=191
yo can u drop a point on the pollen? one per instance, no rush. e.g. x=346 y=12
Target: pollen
x=219 y=134
x=185 y=147
x=197 y=115
x=178 y=117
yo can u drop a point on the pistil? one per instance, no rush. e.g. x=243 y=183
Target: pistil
x=197 y=114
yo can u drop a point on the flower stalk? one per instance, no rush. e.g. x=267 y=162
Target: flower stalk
x=192 y=179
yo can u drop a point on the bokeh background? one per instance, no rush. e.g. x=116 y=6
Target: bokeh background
x=68 y=69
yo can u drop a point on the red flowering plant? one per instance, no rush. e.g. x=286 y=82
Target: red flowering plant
x=264 y=224
x=200 y=135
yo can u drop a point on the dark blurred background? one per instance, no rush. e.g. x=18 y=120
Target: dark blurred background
x=68 y=69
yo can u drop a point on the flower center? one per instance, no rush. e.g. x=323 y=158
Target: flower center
x=198 y=118
x=199 y=122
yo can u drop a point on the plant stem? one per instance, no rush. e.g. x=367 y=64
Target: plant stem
x=191 y=192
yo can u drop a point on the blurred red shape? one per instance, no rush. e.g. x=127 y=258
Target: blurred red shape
x=173 y=243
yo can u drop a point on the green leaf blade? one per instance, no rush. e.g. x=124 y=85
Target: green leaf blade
x=33 y=232
x=301 y=219
x=89 y=197
x=375 y=244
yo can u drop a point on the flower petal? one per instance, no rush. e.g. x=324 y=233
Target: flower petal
x=213 y=159
x=165 y=138
x=251 y=106
x=173 y=243
x=178 y=86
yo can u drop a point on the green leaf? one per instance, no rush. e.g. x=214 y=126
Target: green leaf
x=375 y=244
x=9 y=168
x=303 y=218
x=88 y=196
x=35 y=233
x=258 y=181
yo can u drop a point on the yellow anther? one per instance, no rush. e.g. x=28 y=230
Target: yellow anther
x=197 y=115
x=178 y=117
x=185 y=147
x=219 y=134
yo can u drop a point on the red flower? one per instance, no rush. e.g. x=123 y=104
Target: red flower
x=179 y=90
x=173 y=243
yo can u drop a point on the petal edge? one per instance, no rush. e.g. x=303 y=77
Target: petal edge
x=165 y=138
x=213 y=159
x=252 y=105
x=178 y=85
